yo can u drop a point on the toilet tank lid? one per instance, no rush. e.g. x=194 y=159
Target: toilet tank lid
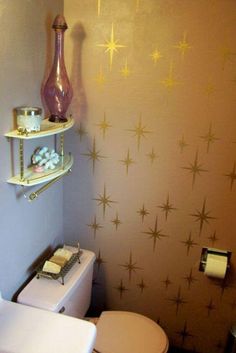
x=50 y=294
x=125 y=332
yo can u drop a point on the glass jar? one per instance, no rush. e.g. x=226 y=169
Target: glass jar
x=28 y=118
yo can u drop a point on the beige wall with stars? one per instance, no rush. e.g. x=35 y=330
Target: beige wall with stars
x=154 y=179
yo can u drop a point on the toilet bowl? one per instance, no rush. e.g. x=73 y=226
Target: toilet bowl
x=117 y=331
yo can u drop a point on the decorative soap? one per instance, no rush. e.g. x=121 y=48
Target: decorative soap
x=59 y=260
x=66 y=254
x=51 y=267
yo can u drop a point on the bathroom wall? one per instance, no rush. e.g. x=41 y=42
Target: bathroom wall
x=26 y=229
x=154 y=175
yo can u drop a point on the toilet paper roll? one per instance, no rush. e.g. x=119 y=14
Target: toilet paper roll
x=216 y=266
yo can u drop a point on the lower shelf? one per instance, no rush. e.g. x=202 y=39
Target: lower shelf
x=31 y=178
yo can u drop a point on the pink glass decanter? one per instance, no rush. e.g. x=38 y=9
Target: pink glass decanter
x=57 y=91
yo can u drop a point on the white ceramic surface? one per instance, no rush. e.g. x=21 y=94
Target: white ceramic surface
x=24 y=329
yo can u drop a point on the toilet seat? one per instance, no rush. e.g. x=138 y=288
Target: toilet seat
x=125 y=332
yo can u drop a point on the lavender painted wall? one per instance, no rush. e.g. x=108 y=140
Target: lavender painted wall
x=26 y=229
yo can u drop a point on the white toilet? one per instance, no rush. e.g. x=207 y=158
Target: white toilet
x=117 y=331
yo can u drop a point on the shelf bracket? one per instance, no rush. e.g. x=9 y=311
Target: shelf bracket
x=34 y=195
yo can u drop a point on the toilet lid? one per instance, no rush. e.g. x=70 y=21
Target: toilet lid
x=125 y=332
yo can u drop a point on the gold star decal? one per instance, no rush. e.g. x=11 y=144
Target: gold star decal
x=99 y=260
x=232 y=176
x=93 y=154
x=210 y=306
x=190 y=278
x=139 y=131
x=152 y=155
x=189 y=243
x=143 y=212
x=121 y=288
x=202 y=216
x=170 y=82
x=213 y=238
x=178 y=300
x=99 y=7
x=104 y=125
x=131 y=266
x=156 y=56
x=183 y=45
x=167 y=207
x=182 y=144
x=95 y=226
x=104 y=200
x=195 y=169
x=167 y=282
x=209 y=138
x=155 y=234
x=127 y=162
x=111 y=46
x=116 y=221
x=184 y=333
x=142 y=286
x=100 y=78
x=125 y=70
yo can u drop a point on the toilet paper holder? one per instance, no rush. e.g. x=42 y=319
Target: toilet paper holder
x=213 y=251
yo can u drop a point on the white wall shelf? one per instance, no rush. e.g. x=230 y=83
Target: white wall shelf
x=27 y=176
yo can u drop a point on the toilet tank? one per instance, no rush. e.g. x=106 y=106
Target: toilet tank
x=72 y=298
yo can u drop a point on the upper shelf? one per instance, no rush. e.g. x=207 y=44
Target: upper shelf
x=47 y=129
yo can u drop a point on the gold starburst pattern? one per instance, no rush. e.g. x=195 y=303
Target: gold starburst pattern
x=99 y=7
x=189 y=243
x=155 y=234
x=190 y=279
x=202 y=216
x=141 y=285
x=127 y=162
x=116 y=221
x=156 y=56
x=93 y=154
x=213 y=238
x=100 y=78
x=111 y=46
x=81 y=131
x=182 y=144
x=169 y=82
x=99 y=260
x=104 y=126
x=232 y=176
x=210 y=306
x=209 y=138
x=167 y=282
x=184 y=333
x=183 y=45
x=139 y=131
x=125 y=70
x=152 y=155
x=195 y=169
x=104 y=200
x=95 y=226
x=121 y=288
x=130 y=266
x=178 y=300
x=143 y=212
x=167 y=207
